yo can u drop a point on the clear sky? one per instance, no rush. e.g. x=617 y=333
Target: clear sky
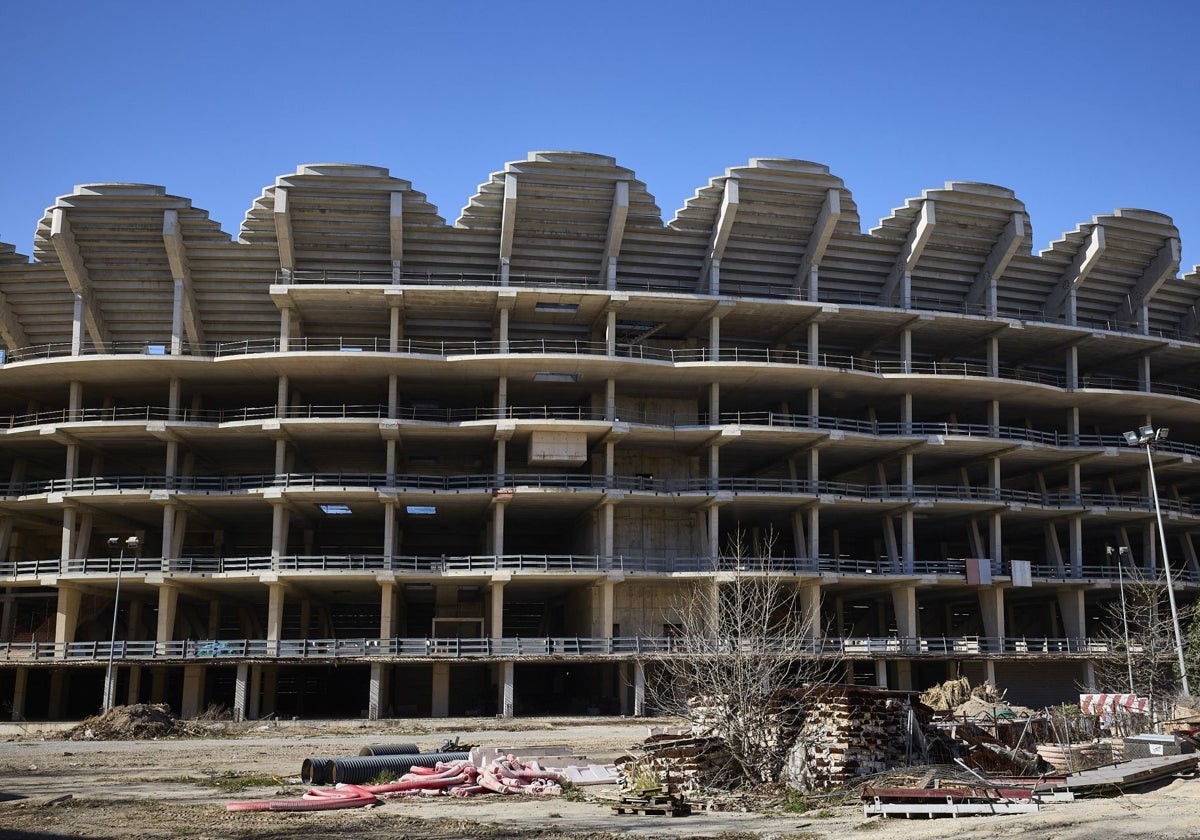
x=1079 y=106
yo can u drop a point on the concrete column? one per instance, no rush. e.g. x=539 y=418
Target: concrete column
x=610 y=400
x=906 y=348
x=270 y=686
x=639 y=688
x=814 y=343
x=1072 y=364
x=254 y=710
x=993 y=356
x=989 y=671
x=507 y=699
x=991 y=607
x=1070 y=607
x=502 y=395
x=66 y=617
x=240 y=690
x=908 y=547
x=881 y=680
x=607 y=528
x=503 y=330
x=1075 y=529
x=285 y=328
x=387 y=610
x=714 y=338
x=1089 y=675
x=904 y=603
x=810 y=605
x=275 y=599
x=69 y=518
x=375 y=693
x=193 y=691
x=77 y=326
x=904 y=680
x=441 y=690
x=168 y=604
x=134 y=692
x=21 y=686
x=279 y=530
x=496 y=627
x=168 y=528
x=714 y=536
x=395 y=329
x=714 y=404
x=498 y=530
x=389 y=532
x=610 y=332
x=608 y=606
x=501 y=457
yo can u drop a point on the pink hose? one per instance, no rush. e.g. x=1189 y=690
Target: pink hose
x=344 y=796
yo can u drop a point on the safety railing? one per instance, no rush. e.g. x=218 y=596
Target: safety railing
x=579 y=563
x=466 y=414
x=562 y=346
x=512 y=482
x=548 y=647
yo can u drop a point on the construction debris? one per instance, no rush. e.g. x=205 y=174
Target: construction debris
x=139 y=722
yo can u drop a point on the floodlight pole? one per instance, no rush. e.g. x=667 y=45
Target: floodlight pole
x=110 y=685
x=1147 y=435
x=1122 y=552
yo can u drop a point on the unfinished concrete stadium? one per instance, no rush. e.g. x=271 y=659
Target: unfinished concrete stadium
x=361 y=462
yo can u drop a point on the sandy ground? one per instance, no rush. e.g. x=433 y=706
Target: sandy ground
x=151 y=789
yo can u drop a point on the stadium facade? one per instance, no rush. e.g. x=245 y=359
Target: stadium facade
x=360 y=461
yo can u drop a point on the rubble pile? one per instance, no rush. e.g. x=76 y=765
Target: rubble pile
x=139 y=722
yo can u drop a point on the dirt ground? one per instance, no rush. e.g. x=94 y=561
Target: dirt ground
x=162 y=789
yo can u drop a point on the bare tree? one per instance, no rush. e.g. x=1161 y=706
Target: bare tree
x=1141 y=636
x=740 y=641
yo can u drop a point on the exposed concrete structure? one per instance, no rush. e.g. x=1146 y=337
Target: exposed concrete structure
x=470 y=465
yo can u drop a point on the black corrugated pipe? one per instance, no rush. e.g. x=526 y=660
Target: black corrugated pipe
x=390 y=749
x=355 y=771
x=315 y=771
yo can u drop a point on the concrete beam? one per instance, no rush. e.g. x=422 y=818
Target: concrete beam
x=283 y=231
x=722 y=226
x=983 y=290
x=910 y=254
x=616 y=229
x=818 y=239
x=185 y=297
x=11 y=331
x=1161 y=269
x=396 y=230
x=63 y=239
x=1086 y=258
x=508 y=223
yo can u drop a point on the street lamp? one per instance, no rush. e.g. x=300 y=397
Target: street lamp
x=1147 y=436
x=110 y=686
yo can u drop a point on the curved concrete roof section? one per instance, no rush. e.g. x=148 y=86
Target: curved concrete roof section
x=771 y=222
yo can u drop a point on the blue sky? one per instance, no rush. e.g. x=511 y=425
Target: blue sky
x=1079 y=107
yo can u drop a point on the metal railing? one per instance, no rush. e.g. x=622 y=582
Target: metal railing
x=53 y=653
x=489 y=482
x=575 y=347
x=587 y=564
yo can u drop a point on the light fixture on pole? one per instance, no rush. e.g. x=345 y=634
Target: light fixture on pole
x=1122 y=553
x=110 y=687
x=1147 y=436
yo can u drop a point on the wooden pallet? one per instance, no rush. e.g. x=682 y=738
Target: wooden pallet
x=660 y=805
